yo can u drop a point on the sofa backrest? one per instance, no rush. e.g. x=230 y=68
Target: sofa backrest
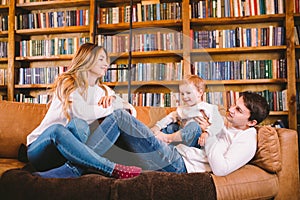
x=150 y=115
x=17 y=120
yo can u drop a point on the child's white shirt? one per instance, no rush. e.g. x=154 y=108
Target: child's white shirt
x=190 y=112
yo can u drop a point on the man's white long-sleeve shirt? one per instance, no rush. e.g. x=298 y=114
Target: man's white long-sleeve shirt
x=224 y=153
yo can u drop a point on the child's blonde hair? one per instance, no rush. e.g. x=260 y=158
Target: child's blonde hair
x=196 y=81
x=77 y=74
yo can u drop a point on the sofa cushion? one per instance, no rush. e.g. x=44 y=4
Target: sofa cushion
x=17 y=120
x=268 y=155
x=9 y=163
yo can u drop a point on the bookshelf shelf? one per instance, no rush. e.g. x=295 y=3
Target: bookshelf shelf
x=4 y=8
x=166 y=53
x=31 y=86
x=246 y=82
x=239 y=50
x=3 y=34
x=3 y=60
x=59 y=30
x=149 y=83
x=238 y=20
x=279 y=113
x=44 y=58
x=136 y=25
x=52 y=4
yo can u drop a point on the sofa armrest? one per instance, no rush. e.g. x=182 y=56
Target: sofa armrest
x=289 y=174
x=246 y=183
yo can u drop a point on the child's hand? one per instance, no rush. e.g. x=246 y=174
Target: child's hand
x=202 y=138
x=106 y=101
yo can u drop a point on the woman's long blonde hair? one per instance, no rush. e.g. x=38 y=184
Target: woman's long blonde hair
x=77 y=75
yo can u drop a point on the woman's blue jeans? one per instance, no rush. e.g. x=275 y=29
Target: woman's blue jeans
x=151 y=153
x=59 y=144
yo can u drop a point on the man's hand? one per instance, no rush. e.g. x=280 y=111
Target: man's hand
x=202 y=138
x=106 y=101
x=203 y=123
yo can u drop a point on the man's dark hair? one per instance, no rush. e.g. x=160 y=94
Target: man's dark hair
x=258 y=106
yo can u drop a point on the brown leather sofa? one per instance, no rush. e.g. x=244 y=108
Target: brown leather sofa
x=272 y=174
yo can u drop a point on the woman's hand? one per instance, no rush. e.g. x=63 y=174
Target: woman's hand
x=106 y=101
x=127 y=106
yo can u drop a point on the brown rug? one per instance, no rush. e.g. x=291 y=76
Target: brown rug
x=20 y=184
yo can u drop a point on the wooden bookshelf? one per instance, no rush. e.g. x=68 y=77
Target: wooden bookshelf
x=190 y=55
x=186 y=54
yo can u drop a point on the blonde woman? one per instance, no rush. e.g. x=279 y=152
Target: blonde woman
x=57 y=147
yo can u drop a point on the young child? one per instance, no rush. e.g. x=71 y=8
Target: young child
x=181 y=125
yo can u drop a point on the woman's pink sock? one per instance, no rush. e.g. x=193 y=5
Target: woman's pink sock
x=122 y=171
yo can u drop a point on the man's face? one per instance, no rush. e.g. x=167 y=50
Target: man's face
x=239 y=114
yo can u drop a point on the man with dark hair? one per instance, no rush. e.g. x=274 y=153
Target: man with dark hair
x=224 y=152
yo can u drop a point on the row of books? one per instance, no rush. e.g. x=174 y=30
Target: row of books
x=3 y=49
x=297 y=34
x=3 y=97
x=3 y=22
x=146 y=72
x=241 y=70
x=141 y=42
x=153 y=99
x=239 y=37
x=3 y=76
x=39 y=99
x=40 y=75
x=50 y=19
x=50 y=47
x=4 y=2
x=277 y=100
x=226 y=70
x=141 y=12
x=297 y=68
x=235 y=8
x=296 y=6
